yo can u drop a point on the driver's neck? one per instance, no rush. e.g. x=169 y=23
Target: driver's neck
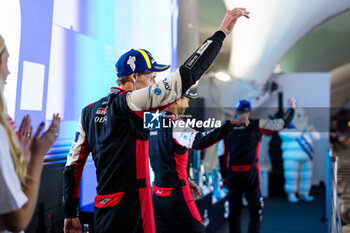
x=173 y=110
x=128 y=86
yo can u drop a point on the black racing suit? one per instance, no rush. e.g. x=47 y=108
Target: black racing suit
x=112 y=130
x=242 y=170
x=174 y=208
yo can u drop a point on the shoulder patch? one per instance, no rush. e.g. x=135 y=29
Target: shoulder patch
x=157 y=91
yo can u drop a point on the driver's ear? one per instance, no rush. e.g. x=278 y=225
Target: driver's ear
x=133 y=78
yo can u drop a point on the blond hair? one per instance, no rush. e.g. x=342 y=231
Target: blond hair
x=124 y=79
x=15 y=150
x=2 y=44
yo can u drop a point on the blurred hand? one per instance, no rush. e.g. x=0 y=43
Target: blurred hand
x=25 y=134
x=41 y=145
x=241 y=120
x=224 y=183
x=72 y=225
x=195 y=190
x=291 y=102
x=231 y=18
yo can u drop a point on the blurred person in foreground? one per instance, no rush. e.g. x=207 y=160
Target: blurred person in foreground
x=21 y=161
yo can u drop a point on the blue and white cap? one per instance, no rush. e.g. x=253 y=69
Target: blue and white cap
x=243 y=106
x=138 y=60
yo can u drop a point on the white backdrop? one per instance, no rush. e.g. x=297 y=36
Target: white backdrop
x=258 y=44
x=312 y=92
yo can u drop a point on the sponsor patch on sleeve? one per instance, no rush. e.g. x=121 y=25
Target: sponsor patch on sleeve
x=76 y=136
x=193 y=60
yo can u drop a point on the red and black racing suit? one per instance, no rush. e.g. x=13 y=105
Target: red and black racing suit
x=112 y=130
x=243 y=173
x=174 y=208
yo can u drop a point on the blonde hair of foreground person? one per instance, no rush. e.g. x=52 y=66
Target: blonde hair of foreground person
x=15 y=151
x=36 y=147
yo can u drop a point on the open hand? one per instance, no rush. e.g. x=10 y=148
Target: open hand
x=41 y=145
x=231 y=18
x=291 y=102
x=25 y=134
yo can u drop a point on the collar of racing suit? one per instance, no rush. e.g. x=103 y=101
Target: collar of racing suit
x=116 y=90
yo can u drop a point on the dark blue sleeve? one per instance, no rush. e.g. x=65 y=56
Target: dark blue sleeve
x=208 y=138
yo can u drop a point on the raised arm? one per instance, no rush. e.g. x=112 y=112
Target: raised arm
x=275 y=125
x=166 y=91
x=193 y=139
